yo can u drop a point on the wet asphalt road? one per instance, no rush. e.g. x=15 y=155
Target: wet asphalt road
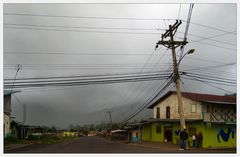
x=101 y=145
x=84 y=145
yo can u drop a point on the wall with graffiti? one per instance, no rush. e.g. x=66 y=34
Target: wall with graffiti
x=220 y=136
x=209 y=135
x=213 y=135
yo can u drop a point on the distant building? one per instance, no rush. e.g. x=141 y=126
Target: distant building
x=119 y=134
x=69 y=134
x=7 y=112
x=211 y=116
x=92 y=133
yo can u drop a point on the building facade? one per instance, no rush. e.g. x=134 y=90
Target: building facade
x=211 y=117
x=7 y=112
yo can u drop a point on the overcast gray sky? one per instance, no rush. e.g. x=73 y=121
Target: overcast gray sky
x=90 y=39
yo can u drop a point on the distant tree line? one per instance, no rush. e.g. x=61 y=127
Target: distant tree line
x=94 y=127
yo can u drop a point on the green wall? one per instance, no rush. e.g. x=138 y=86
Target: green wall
x=149 y=133
x=210 y=136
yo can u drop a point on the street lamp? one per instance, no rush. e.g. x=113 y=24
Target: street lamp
x=188 y=52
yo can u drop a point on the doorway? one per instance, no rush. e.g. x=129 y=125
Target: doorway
x=168 y=133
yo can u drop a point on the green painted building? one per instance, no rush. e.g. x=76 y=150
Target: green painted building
x=213 y=135
x=211 y=117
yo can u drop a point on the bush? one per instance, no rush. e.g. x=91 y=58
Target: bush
x=10 y=139
x=33 y=137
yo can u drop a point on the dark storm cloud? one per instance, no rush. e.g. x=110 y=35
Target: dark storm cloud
x=61 y=106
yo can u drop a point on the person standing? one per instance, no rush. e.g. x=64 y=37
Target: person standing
x=184 y=139
x=199 y=139
x=194 y=139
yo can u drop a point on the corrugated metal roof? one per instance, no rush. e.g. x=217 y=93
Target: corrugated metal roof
x=215 y=99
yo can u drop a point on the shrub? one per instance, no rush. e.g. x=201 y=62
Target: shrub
x=10 y=139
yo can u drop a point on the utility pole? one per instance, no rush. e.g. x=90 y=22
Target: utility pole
x=110 y=118
x=171 y=44
x=24 y=113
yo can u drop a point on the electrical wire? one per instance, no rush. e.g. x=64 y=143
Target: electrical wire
x=71 y=53
x=86 y=79
x=187 y=27
x=210 y=67
x=147 y=85
x=204 y=43
x=84 y=82
x=210 y=81
x=100 y=54
x=126 y=94
x=210 y=76
x=82 y=27
x=150 y=100
x=135 y=74
x=195 y=79
x=148 y=97
x=18 y=68
x=84 y=17
x=83 y=31
x=112 y=18
x=120 y=28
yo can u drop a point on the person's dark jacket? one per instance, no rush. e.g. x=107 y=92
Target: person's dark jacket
x=183 y=135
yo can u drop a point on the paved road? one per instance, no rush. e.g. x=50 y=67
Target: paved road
x=98 y=145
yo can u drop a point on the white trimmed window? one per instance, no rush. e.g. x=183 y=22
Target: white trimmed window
x=194 y=108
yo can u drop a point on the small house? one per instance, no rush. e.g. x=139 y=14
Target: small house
x=212 y=117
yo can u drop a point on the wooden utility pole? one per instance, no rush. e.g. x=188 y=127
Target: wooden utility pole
x=171 y=44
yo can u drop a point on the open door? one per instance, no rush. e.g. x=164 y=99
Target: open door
x=168 y=133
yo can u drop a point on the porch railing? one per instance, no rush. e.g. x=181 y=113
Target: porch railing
x=219 y=117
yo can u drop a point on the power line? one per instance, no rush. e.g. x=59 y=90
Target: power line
x=82 y=27
x=76 y=53
x=85 y=79
x=150 y=100
x=112 y=28
x=86 y=17
x=97 y=54
x=152 y=86
x=210 y=27
x=211 y=67
x=147 y=86
x=135 y=74
x=85 y=82
x=211 y=81
x=195 y=79
x=210 y=70
x=83 y=65
x=111 y=18
x=84 y=31
x=210 y=76
x=126 y=94
x=225 y=80
x=214 y=36
x=187 y=27
x=18 y=68
x=200 y=42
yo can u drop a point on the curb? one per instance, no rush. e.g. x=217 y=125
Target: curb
x=143 y=145
x=16 y=146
